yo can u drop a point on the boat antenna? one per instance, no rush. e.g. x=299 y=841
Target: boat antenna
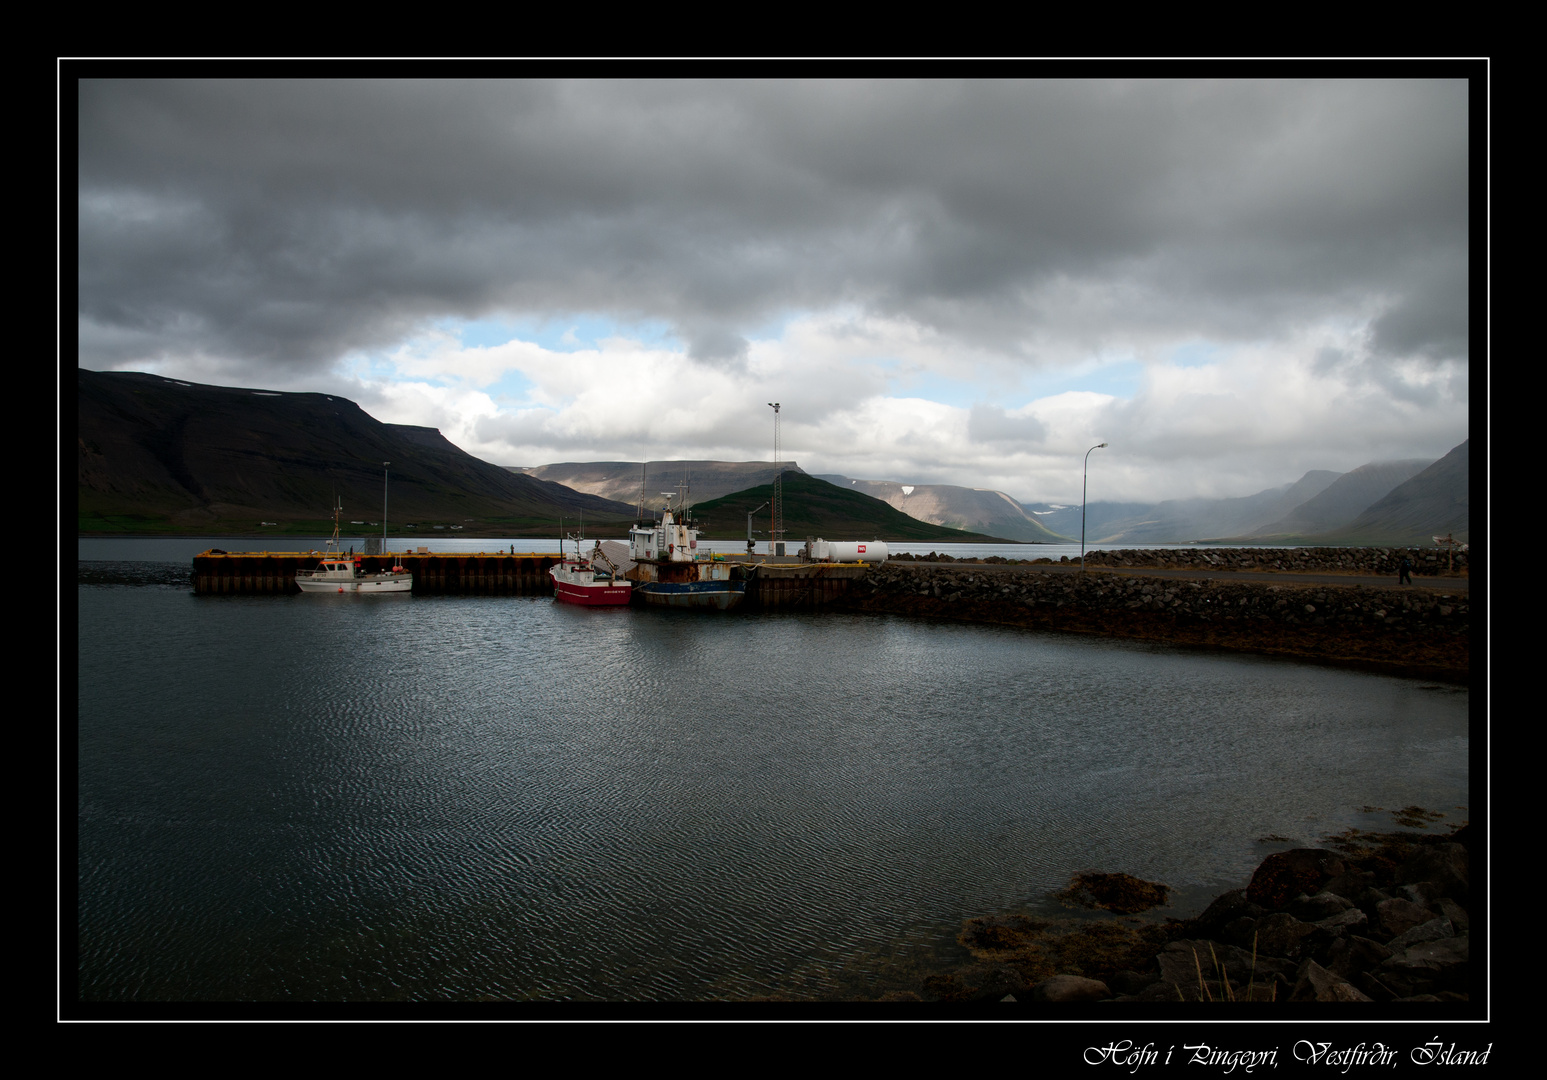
x=643 y=467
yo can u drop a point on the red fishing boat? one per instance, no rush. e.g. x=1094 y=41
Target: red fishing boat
x=592 y=580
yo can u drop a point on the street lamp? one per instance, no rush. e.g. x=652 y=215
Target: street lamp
x=751 y=544
x=1084 y=487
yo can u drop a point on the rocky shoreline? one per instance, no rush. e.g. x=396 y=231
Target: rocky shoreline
x=1401 y=629
x=1376 y=561
x=1371 y=918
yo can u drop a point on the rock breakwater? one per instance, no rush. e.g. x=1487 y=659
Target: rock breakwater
x=1419 y=631
x=1374 y=561
x=1371 y=918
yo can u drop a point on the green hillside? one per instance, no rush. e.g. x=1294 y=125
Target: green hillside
x=814 y=507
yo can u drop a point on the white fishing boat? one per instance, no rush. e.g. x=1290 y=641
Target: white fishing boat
x=338 y=572
x=670 y=570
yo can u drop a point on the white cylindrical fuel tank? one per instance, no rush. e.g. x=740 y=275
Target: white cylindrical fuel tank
x=849 y=551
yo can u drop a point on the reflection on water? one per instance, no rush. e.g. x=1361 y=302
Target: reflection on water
x=484 y=797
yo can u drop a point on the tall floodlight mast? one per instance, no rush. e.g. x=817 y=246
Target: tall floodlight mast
x=385 y=466
x=776 y=527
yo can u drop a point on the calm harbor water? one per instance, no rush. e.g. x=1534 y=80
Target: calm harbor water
x=466 y=798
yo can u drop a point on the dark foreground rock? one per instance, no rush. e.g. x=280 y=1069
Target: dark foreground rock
x=1372 y=918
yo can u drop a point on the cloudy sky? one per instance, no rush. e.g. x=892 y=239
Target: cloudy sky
x=968 y=282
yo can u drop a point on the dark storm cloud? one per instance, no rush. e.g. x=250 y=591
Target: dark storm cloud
x=286 y=223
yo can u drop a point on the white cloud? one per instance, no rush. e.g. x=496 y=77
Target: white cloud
x=973 y=282
x=1255 y=415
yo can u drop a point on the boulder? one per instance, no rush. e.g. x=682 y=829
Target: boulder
x=1352 y=954
x=1453 y=911
x=1324 y=905
x=1070 y=988
x=1285 y=875
x=1315 y=983
x=1446 y=865
x=1281 y=934
x=1432 y=930
x=1225 y=910
x=1397 y=916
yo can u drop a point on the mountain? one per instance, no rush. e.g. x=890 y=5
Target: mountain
x=1208 y=518
x=976 y=509
x=1433 y=503
x=620 y=480
x=1342 y=501
x=1179 y=521
x=1101 y=518
x=1383 y=503
x=814 y=507
x=161 y=456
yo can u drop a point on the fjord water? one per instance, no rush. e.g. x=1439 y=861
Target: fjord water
x=469 y=798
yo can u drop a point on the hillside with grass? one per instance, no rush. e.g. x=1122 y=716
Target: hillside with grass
x=814 y=507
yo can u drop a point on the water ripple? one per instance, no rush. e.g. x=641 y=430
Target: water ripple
x=475 y=797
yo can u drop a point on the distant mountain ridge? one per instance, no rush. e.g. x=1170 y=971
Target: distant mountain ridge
x=1372 y=504
x=1343 y=500
x=1436 y=502
x=1183 y=520
x=162 y=455
x=814 y=507
x=620 y=480
x=980 y=510
x=1404 y=502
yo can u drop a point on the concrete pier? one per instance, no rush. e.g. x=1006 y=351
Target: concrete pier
x=467 y=573
x=770 y=584
x=785 y=585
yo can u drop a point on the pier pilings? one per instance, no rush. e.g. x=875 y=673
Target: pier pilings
x=466 y=573
x=781 y=586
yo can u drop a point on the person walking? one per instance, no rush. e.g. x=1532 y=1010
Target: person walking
x=1405 y=577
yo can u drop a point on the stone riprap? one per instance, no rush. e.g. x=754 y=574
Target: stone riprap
x=1418 y=630
x=1376 y=918
x=1373 y=561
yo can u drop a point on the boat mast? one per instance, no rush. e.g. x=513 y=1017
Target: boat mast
x=682 y=500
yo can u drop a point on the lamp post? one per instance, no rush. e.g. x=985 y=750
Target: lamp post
x=1084 y=487
x=751 y=544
